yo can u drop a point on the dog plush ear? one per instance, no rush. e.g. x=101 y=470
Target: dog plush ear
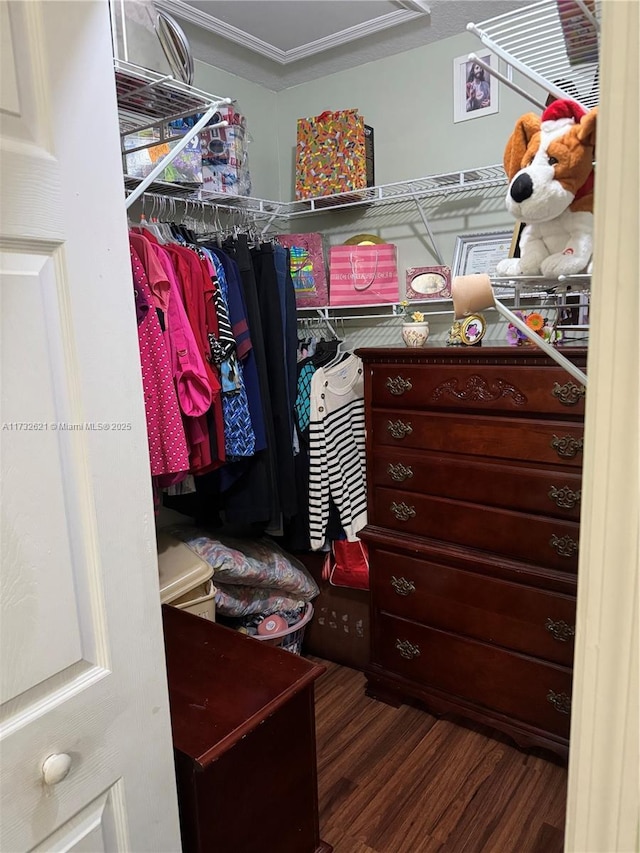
x=526 y=126
x=586 y=130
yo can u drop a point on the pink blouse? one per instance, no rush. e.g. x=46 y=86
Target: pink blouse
x=192 y=385
x=167 y=444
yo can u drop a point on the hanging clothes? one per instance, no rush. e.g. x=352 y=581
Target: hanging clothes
x=337 y=461
x=193 y=284
x=189 y=373
x=240 y=439
x=244 y=346
x=168 y=451
x=255 y=498
x=282 y=260
x=281 y=404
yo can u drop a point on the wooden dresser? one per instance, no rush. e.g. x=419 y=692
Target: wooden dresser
x=243 y=722
x=474 y=483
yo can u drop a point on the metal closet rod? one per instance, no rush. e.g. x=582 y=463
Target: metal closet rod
x=202 y=206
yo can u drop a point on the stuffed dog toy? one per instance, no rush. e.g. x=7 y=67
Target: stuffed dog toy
x=549 y=163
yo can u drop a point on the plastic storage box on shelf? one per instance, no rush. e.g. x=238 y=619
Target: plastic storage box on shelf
x=186 y=168
x=225 y=161
x=185 y=579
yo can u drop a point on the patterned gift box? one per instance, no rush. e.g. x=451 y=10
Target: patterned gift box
x=331 y=154
x=307 y=267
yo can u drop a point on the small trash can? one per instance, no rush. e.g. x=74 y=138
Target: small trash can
x=185 y=579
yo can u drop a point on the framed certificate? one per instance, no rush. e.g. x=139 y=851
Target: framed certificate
x=480 y=253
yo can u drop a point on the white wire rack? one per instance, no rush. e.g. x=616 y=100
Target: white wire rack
x=537 y=290
x=147 y=100
x=539 y=286
x=466 y=182
x=446 y=184
x=553 y=43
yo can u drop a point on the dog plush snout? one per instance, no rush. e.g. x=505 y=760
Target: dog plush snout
x=521 y=188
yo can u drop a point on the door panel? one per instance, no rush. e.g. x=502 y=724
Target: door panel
x=82 y=670
x=91 y=831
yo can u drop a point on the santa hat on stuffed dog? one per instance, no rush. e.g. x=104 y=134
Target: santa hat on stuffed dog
x=560 y=115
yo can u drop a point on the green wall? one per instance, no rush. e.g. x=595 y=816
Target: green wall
x=407 y=98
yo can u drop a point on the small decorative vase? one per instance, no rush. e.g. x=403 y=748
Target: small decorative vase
x=415 y=334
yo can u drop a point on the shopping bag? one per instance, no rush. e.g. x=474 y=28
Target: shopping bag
x=347 y=564
x=308 y=273
x=363 y=275
x=334 y=154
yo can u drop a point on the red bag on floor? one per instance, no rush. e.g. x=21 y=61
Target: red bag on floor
x=347 y=564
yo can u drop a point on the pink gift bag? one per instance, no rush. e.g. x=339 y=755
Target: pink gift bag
x=363 y=275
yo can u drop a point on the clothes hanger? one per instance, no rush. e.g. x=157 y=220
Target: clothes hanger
x=154 y=225
x=343 y=351
x=145 y=224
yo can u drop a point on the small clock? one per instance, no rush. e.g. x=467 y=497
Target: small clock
x=472 y=329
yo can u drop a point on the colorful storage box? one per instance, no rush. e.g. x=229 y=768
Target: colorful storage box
x=225 y=161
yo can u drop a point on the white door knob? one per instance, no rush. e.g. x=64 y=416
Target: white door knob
x=56 y=768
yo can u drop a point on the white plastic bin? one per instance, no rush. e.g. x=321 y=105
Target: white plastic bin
x=185 y=579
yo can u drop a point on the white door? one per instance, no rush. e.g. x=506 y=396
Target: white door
x=83 y=679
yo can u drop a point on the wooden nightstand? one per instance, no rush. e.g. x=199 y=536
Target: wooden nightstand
x=243 y=724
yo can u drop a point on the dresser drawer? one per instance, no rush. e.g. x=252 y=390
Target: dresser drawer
x=550 y=542
x=522 y=618
x=522 y=687
x=524 y=487
x=555 y=442
x=499 y=388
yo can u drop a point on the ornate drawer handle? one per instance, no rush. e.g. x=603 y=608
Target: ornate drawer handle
x=567 y=446
x=399 y=472
x=402 y=511
x=560 y=630
x=402 y=586
x=407 y=649
x=568 y=394
x=565 y=546
x=565 y=497
x=560 y=701
x=398 y=385
x=399 y=429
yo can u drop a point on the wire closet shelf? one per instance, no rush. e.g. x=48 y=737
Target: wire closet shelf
x=149 y=100
x=553 y=43
x=464 y=182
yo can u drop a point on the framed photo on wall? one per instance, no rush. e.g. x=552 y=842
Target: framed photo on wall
x=475 y=90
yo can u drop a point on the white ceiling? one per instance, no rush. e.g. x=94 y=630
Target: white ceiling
x=282 y=43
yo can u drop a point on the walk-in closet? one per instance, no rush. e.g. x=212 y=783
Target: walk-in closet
x=319 y=435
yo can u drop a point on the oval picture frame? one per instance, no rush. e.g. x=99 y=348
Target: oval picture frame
x=472 y=329
x=425 y=283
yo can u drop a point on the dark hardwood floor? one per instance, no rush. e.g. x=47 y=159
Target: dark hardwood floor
x=397 y=780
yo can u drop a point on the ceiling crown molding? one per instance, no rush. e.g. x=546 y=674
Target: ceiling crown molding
x=412 y=9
